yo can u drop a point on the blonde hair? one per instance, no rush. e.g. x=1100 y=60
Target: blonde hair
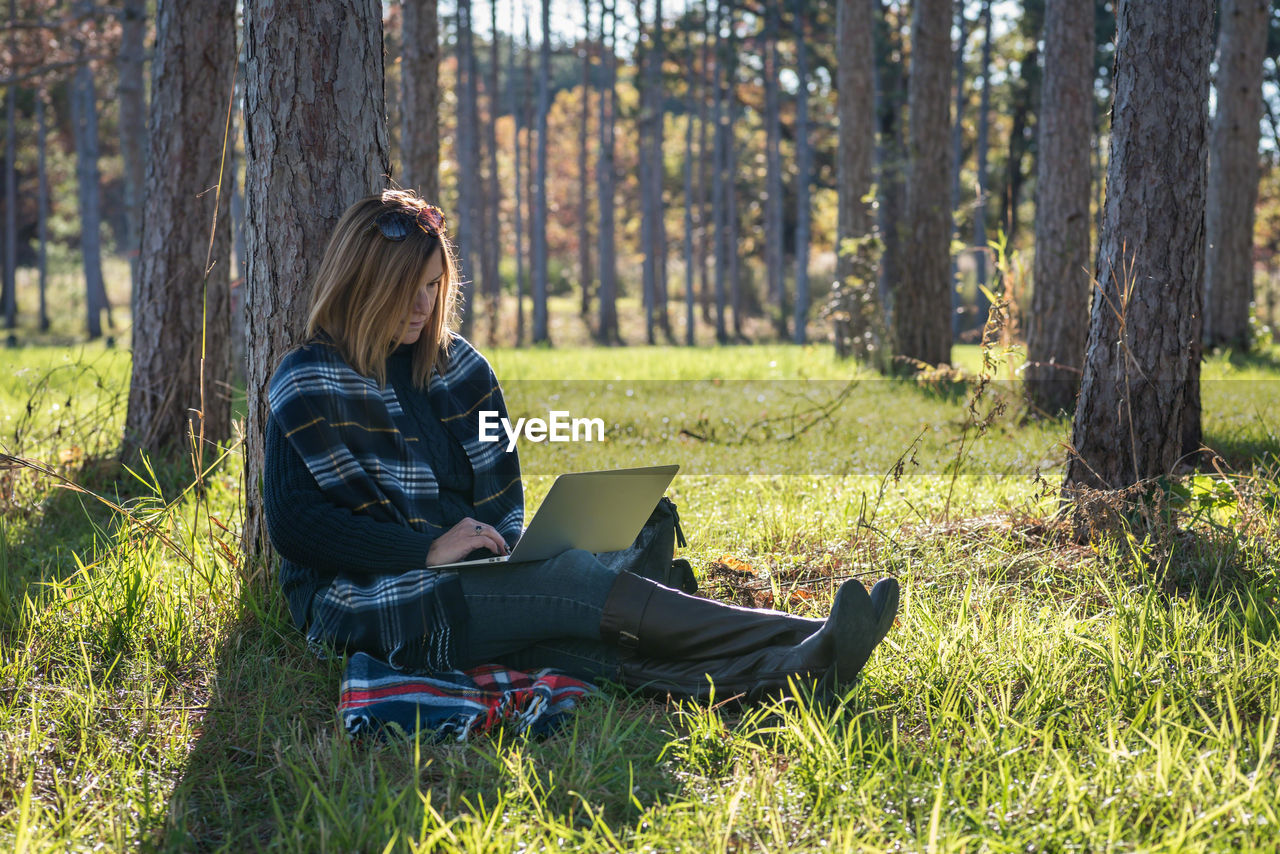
x=367 y=283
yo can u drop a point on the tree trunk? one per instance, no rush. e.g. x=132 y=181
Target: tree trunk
x=922 y=305
x=1233 y=173
x=1060 y=297
x=584 y=180
x=11 y=192
x=493 y=196
x=855 y=156
x=179 y=392
x=133 y=130
x=84 y=117
x=42 y=204
x=804 y=162
x=718 y=190
x=706 y=235
x=644 y=121
x=658 y=173
x=607 y=329
x=689 y=258
x=891 y=155
x=521 y=198
x=541 y=333
x=470 y=183
x=982 y=304
x=420 y=98
x=308 y=159
x=1143 y=332
x=774 y=280
x=730 y=166
x=957 y=155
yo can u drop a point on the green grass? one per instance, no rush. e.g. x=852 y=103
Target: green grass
x=1036 y=693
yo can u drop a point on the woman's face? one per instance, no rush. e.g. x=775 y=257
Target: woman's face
x=424 y=301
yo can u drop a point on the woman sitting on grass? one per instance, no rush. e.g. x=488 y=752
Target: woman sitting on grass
x=375 y=474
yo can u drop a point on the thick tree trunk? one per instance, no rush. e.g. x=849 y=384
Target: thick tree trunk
x=420 y=98
x=774 y=280
x=1144 y=330
x=1233 y=173
x=541 y=331
x=607 y=328
x=179 y=391
x=804 y=163
x=133 y=129
x=922 y=305
x=312 y=151
x=855 y=156
x=1060 y=297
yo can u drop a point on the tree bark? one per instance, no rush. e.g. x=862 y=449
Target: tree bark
x=607 y=328
x=982 y=304
x=774 y=280
x=11 y=193
x=644 y=123
x=1233 y=173
x=493 y=194
x=922 y=305
x=42 y=205
x=658 y=171
x=1143 y=331
x=84 y=117
x=718 y=191
x=689 y=258
x=470 y=182
x=420 y=98
x=1057 y=324
x=891 y=155
x=541 y=332
x=316 y=142
x=179 y=391
x=521 y=198
x=133 y=129
x=584 y=175
x=804 y=162
x=855 y=155
x=957 y=155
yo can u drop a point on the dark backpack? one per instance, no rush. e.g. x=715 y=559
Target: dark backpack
x=652 y=554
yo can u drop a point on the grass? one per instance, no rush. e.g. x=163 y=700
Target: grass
x=1036 y=693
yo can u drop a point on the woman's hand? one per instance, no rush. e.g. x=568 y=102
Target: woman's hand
x=464 y=538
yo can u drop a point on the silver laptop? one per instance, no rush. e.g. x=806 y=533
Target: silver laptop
x=600 y=511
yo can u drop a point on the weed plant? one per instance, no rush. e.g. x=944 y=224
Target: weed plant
x=1037 y=693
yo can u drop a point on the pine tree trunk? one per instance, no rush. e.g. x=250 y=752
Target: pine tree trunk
x=1144 y=332
x=922 y=305
x=1057 y=324
x=584 y=175
x=607 y=328
x=689 y=258
x=420 y=98
x=42 y=204
x=133 y=129
x=541 y=332
x=84 y=117
x=804 y=159
x=982 y=304
x=891 y=157
x=957 y=156
x=179 y=390
x=644 y=165
x=718 y=189
x=470 y=183
x=10 y=296
x=521 y=198
x=1233 y=173
x=308 y=159
x=493 y=196
x=774 y=280
x=658 y=173
x=706 y=234
x=855 y=156
x=730 y=166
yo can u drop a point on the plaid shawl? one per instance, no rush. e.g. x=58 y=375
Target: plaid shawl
x=377 y=699
x=366 y=455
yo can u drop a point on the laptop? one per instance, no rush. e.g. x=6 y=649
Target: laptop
x=600 y=511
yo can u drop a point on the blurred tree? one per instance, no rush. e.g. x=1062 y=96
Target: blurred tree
x=420 y=98
x=179 y=391
x=584 y=180
x=1057 y=324
x=493 y=188
x=775 y=281
x=469 y=240
x=804 y=159
x=1144 y=332
x=541 y=330
x=308 y=159
x=922 y=303
x=131 y=95
x=1233 y=173
x=84 y=117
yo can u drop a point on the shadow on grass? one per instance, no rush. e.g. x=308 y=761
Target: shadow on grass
x=273 y=768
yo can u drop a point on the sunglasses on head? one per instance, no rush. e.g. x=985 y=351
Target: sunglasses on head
x=395 y=225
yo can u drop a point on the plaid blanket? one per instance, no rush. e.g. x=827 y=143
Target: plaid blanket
x=377 y=699
x=366 y=455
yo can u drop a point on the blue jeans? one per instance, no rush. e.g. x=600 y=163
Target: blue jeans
x=534 y=615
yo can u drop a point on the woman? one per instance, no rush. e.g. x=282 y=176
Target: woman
x=375 y=474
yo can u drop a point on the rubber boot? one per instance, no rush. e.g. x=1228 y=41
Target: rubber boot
x=653 y=621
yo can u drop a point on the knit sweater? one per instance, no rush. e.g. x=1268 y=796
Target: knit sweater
x=320 y=540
